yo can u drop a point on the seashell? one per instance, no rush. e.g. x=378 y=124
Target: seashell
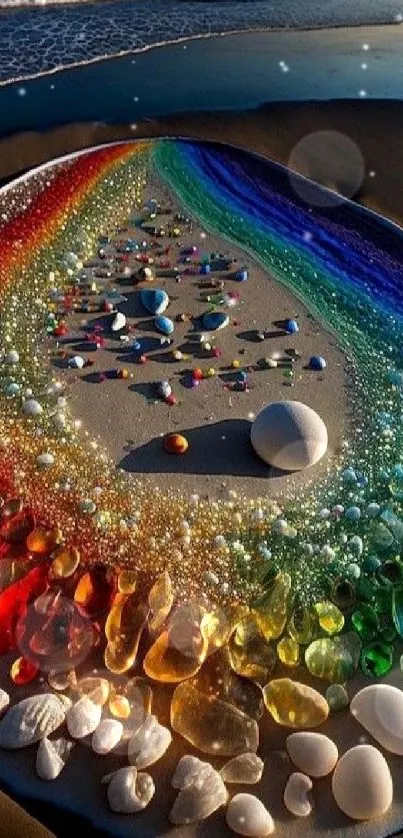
x=107 y=735
x=149 y=743
x=83 y=717
x=362 y=784
x=245 y=768
x=246 y=815
x=128 y=791
x=118 y=322
x=296 y=795
x=51 y=757
x=379 y=708
x=76 y=362
x=313 y=753
x=32 y=719
x=32 y=408
x=202 y=791
x=4 y=700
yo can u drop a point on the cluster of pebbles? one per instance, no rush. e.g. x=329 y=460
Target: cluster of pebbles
x=361 y=782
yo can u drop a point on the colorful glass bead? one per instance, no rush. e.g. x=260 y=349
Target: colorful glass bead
x=288 y=651
x=160 y=601
x=334 y=659
x=365 y=621
x=250 y=655
x=123 y=628
x=23 y=672
x=65 y=562
x=271 y=611
x=211 y=725
x=295 y=705
x=330 y=618
x=337 y=697
x=41 y=542
x=376 y=659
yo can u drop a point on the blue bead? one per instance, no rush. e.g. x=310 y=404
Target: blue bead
x=164 y=325
x=215 y=320
x=291 y=326
x=155 y=300
x=316 y=362
x=242 y=275
x=205 y=269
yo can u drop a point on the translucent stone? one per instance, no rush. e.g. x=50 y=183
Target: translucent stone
x=160 y=600
x=334 y=659
x=23 y=672
x=217 y=678
x=211 y=725
x=123 y=628
x=330 y=618
x=272 y=610
x=62 y=681
x=390 y=572
x=41 y=541
x=301 y=626
x=376 y=659
x=119 y=706
x=288 y=651
x=337 y=697
x=14 y=601
x=184 y=630
x=95 y=591
x=164 y=662
x=15 y=528
x=65 y=562
x=397 y=609
x=96 y=688
x=365 y=621
x=245 y=768
x=250 y=655
x=127 y=581
x=217 y=626
x=396 y=482
x=295 y=705
x=140 y=697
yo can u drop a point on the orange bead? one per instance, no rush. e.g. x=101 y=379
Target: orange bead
x=22 y=672
x=198 y=374
x=123 y=373
x=41 y=541
x=176 y=444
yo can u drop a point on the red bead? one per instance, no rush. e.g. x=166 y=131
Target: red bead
x=23 y=672
x=171 y=400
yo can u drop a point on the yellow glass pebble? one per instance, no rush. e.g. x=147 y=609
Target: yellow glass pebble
x=295 y=705
x=65 y=562
x=165 y=662
x=127 y=581
x=160 y=600
x=334 y=659
x=124 y=626
x=330 y=618
x=301 y=626
x=271 y=611
x=119 y=706
x=96 y=688
x=217 y=678
x=249 y=653
x=218 y=625
x=288 y=651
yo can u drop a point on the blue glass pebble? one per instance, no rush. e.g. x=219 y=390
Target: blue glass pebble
x=316 y=362
x=215 y=320
x=164 y=325
x=155 y=300
x=291 y=327
x=205 y=269
x=242 y=275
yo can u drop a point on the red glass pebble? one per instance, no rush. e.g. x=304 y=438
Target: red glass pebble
x=14 y=601
x=23 y=672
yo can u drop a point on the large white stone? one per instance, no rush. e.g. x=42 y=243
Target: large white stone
x=289 y=436
x=362 y=784
x=379 y=708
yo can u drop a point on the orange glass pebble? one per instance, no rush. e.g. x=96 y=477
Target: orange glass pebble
x=23 y=672
x=198 y=374
x=95 y=591
x=124 y=627
x=127 y=581
x=176 y=444
x=119 y=706
x=160 y=600
x=166 y=663
x=65 y=562
x=41 y=541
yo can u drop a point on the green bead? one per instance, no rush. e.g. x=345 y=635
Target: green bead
x=365 y=621
x=397 y=609
x=334 y=659
x=371 y=564
x=337 y=697
x=376 y=659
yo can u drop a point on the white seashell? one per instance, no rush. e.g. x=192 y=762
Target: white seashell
x=296 y=795
x=83 y=717
x=202 y=791
x=4 y=700
x=129 y=791
x=31 y=719
x=149 y=743
x=245 y=768
x=51 y=757
x=107 y=736
x=76 y=362
x=32 y=408
x=379 y=708
x=45 y=460
x=12 y=358
x=362 y=784
x=118 y=322
x=313 y=753
x=246 y=815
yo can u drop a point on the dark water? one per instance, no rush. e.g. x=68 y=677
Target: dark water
x=231 y=72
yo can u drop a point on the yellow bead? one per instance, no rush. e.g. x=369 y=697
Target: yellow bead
x=295 y=705
x=235 y=364
x=331 y=619
x=288 y=651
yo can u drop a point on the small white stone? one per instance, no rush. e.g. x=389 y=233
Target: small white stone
x=118 y=322
x=76 y=362
x=51 y=757
x=32 y=408
x=313 y=753
x=12 y=358
x=362 y=785
x=149 y=743
x=107 y=735
x=247 y=815
x=4 y=700
x=83 y=718
x=245 y=768
x=45 y=460
x=128 y=791
x=296 y=795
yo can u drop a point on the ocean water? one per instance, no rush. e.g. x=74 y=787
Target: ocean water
x=235 y=72
x=38 y=40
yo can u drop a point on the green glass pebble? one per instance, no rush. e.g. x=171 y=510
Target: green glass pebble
x=334 y=659
x=330 y=618
x=365 y=621
x=383 y=600
x=371 y=564
x=367 y=589
x=390 y=572
x=387 y=631
x=376 y=659
x=337 y=697
x=397 y=609
x=396 y=482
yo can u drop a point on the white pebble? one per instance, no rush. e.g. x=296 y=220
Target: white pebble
x=296 y=792
x=246 y=815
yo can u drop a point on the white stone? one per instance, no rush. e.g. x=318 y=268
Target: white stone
x=51 y=757
x=76 y=362
x=296 y=792
x=128 y=791
x=32 y=408
x=246 y=815
x=313 y=753
x=202 y=791
x=289 y=436
x=362 y=784
x=149 y=743
x=12 y=358
x=107 y=735
x=32 y=719
x=83 y=717
x=45 y=460
x=379 y=708
x=118 y=322
x=4 y=700
x=245 y=768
